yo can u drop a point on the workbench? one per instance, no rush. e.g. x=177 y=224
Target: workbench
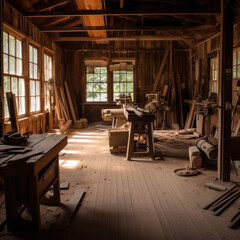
x=138 y=120
x=26 y=182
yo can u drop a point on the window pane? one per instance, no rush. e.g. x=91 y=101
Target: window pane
x=122 y=77
x=30 y=54
x=116 y=87
x=35 y=55
x=19 y=49
x=130 y=77
x=96 y=97
x=21 y=87
x=238 y=57
x=104 y=78
x=19 y=67
x=11 y=65
x=5 y=42
x=37 y=103
x=115 y=77
x=14 y=82
x=21 y=108
x=234 y=72
x=90 y=77
x=89 y=87
x=5 y=63
x=103 y=70
x=130 y=87
x=6 y=85
x=103 y=87
x=35 y=71
x=32 y=104
x=32 y=88
x=234 y=57
x=11 y=45
x=97 y=69
x=103 y=97
x=123 y=87
x=89 y=97
x=97 y=77
x=37 y=88
x=31 y=74
x=97 y=87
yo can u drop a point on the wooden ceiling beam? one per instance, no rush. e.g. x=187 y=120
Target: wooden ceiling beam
x=134 y=38
x=48 y=5
x=123 y=29
x=120 y=12
x=56 y=21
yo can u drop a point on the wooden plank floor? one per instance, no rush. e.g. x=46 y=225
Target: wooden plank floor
x=139 y=199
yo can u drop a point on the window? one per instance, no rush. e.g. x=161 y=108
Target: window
x=96 y=85
x=13 y=72
x=122 y=83
x=213 y=83
x=236 y=63
x=34 y=80
x=47 y=79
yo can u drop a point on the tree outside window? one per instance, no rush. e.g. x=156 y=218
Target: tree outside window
x=213 y=83
x=47 y=78
x=123 y=83
x=96 y=84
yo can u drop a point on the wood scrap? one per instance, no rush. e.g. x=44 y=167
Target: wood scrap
x=70 y=103
x=215 y=186
x=12 y=107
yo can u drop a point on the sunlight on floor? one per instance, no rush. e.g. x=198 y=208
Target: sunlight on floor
x=71 y=164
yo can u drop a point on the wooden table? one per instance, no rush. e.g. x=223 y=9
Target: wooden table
x=26 y=182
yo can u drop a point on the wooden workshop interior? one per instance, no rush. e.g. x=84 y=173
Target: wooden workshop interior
x=120 y=119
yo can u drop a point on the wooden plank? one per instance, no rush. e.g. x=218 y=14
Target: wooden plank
x=190 y=115
x=59 y=116
x=225 y=94
x=66 y=126
x=70 y=103
x=12 y=107
x=159 y=75
x=71 y=208
x=179 y=100
x=237 y=129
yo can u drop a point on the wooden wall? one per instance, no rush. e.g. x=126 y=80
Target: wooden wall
x=37 y=123
x=148 y=57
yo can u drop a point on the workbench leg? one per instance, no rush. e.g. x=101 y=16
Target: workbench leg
x=151 y=140
x=11 y=201
x=130 y=140
x=34 y=203
x=56 y=186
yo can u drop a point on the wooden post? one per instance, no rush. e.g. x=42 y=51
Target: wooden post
x=225 y=90
x=1 y=71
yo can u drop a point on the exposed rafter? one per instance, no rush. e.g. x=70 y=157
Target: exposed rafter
x=171 y=11
x=48 y=5
x=123 y=29
x=134 y=38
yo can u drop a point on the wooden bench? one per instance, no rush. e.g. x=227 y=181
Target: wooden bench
x=26 y=182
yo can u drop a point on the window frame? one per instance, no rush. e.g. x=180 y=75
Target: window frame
x=215 y=55
x=18 y=37
x=96 y=82
x=35 y=80
x=49 y=54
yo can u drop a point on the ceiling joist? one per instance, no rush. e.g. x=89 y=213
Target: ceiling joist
x=123 y=29
x=171 y=11
x=134 y=38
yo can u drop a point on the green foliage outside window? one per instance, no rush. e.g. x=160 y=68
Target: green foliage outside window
x=96 y=85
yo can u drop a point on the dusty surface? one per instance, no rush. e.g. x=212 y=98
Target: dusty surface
x=139 y=199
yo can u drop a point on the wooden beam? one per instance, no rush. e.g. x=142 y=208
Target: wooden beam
x=12 y=107
x=159 y=75
x=177 y=11
x=134 y=38
x=225 y=91
x=56 y=21
x=123 y=29
x=48 y=5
